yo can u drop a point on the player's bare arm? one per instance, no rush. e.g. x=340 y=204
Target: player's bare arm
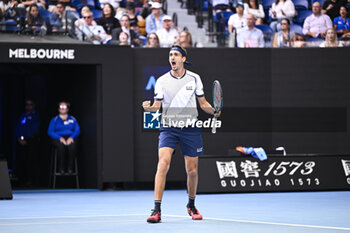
x=155 y=107
x=206 y=106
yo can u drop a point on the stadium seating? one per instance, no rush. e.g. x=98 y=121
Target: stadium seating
x=202 y=6
x=321 y=1
x=78 y=4
x=45 y=13
x=12 y=26
x=301 y=4
x=221 y=22
x=301 y=16
x=268 y=34
x=296 y=28
x=97 y=13
x=267 y=3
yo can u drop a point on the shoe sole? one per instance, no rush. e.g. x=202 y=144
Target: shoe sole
x=153 y=221
x=193 y=218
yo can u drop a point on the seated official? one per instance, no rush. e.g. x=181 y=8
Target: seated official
x=64 y=130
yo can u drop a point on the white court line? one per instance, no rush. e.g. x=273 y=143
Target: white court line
x=166 y=215
x=82 y=216
x=75 y=222
x=270 y=223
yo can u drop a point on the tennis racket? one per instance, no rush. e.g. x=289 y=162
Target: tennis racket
x=218 y=102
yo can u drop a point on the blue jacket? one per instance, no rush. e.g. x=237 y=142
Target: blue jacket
x=59 y=128
x=28 y=125
x=151 y=25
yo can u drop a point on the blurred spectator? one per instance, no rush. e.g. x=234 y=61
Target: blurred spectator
x=26 y=3
x=138 y=4
x=250 y=37
x=57 y=18
x=346 y=37
x=331 y=39
x=316 y=24
x=130 y=11
x=284 y=37
x=3 y=7
x=95 y=33
x=152 y=41
x=108 y=20
x=146 y=9
x=168 y=34
x=342 y=23
x=35 y=23
x=125 y=27
x=135 y=20
x=298 y=41
x=237 y=21
x=114 y=3
x=332 y=7
x=281 y=9
x=154 y=20
x=51 y=5
x=27 y=134
x=185 y=39
x=123 y=39
x=64 y=130
x=253 y=7
x=221 y=5
x=12 y=11
x=81 y=21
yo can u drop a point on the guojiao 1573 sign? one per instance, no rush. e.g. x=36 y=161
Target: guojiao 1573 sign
x=282 y=173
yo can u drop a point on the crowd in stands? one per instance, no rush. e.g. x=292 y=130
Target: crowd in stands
x=285 y=23
x=142 y=23
x=136 y=23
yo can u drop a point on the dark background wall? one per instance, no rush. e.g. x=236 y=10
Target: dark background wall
x=47 y=85
x=298 y=99
x=97 y=82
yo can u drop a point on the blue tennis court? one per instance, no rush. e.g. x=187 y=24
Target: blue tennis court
x=52 y=211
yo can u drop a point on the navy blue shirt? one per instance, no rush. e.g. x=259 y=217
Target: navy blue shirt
x=59 y=128
x=28 y=125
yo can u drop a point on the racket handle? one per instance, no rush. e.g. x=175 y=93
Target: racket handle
x=213 y=129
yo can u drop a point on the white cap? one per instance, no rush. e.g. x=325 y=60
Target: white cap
x=156 y=5
x=166 y=17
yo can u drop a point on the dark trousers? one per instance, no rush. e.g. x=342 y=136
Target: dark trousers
x=27 y=161
x=65 y=159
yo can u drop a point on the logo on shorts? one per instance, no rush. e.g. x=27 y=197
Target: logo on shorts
x=151 y=120
x=200 y=149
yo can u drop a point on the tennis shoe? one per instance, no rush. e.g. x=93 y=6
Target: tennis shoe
x=155 y=217
x=194 y=213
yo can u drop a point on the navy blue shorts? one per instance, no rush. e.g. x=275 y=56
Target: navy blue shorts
x=190 y=140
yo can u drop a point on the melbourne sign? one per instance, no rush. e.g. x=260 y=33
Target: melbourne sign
x=55 y=54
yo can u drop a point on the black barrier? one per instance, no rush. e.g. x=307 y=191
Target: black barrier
x=5 y=185
x=278 y=173
x=295 y=98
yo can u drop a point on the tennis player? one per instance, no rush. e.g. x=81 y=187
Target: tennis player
x=176 y=92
